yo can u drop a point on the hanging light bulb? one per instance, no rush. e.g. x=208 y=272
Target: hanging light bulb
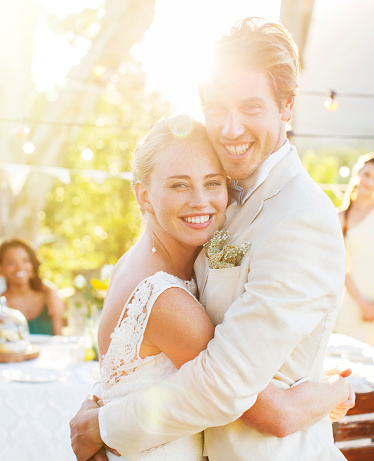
x=98 y=71
x=22 y=131
x=331 y=103
x=28 y=147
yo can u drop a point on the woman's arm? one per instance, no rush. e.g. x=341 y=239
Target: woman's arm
x=367 y=307
x=283 y=412
x=180 y=327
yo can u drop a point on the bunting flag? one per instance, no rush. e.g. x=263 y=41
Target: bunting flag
x=16 y=174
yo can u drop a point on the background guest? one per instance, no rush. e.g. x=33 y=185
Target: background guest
x=25 y=290
x=356 y=314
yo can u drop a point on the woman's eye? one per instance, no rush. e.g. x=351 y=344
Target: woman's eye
x=179 y=186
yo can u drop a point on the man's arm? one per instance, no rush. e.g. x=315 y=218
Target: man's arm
x=295 y=272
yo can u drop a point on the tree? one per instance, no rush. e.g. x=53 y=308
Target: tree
x=296 y=15
x=123 y=24
x=95 y=219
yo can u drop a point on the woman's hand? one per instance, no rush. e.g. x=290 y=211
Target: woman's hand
x=367 y=310
x=341 y=410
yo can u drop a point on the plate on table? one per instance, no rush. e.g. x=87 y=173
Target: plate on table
x=33 y=375
x=40 y=339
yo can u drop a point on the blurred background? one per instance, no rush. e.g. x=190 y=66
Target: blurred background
x=83 y=81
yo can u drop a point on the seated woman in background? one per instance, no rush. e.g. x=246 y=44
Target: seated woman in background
x=25 y=290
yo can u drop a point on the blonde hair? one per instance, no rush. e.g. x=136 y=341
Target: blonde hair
x=265 y=46
x=351 y=193
x=165 y=133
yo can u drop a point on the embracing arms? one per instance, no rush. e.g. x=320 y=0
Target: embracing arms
x=180 y=328
x=277 y=412
x=291 y=291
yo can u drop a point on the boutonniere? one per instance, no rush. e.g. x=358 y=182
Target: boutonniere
x=220 y=256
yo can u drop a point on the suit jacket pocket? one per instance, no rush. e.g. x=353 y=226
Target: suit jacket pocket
x=220 y=292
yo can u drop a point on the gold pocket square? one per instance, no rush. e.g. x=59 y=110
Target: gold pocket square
x=220 y=256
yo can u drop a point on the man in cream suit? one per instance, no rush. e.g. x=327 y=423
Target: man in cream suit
x=274 y=312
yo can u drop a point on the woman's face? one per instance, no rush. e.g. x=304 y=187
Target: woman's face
x=188 y=192
x=366 y=180
x=16 y=266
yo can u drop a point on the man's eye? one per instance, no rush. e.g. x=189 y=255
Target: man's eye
x=214 y=109
x=252 y=108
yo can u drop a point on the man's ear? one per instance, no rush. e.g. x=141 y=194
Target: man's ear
x=287 y=108
x=142 y=196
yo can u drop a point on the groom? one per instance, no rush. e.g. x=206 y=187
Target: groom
x=274 y=312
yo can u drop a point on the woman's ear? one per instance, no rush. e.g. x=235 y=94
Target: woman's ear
x=142 y=196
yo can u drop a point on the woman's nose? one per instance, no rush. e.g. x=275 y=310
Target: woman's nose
x=233 y=126
x=199 y=199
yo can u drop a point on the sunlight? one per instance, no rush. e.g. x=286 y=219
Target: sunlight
x=172 y=52
x=174 y=48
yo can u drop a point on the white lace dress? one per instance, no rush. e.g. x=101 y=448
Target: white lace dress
x=123 y=371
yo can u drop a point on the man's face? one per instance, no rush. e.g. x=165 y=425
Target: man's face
x=244 y=122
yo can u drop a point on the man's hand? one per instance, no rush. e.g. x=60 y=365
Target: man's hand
x=341 y=410
x=85 y=432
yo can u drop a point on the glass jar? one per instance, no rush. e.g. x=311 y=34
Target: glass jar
x=14 y=330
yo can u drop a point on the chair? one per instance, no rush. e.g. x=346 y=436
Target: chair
x=354 y=434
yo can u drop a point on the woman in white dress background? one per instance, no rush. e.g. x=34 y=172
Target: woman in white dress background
x=356 y=313
x=181 y=189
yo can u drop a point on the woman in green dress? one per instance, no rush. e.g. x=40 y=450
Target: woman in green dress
x=26 y=291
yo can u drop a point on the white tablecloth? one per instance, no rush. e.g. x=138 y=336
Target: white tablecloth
x=346 y=352
x=34 y=417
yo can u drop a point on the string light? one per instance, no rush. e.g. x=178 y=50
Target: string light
x=22 y=131
x=331 y=103
x=28 y=147
x=98 y=124
x=98 y=71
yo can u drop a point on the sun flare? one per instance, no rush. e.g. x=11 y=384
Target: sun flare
x=173 y=52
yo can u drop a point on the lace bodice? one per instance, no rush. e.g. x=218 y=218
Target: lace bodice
x=124 y=371
x=121 y=365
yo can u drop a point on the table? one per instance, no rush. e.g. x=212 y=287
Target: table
x=346 y=352
x=34 y=416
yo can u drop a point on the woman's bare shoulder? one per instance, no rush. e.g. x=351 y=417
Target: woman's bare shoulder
x=130 y=271
x=342 y=215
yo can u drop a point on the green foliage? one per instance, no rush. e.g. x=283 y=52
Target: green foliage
x=87 y=223
x=324 y=168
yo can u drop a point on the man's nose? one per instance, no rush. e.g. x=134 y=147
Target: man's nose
x=233 y=126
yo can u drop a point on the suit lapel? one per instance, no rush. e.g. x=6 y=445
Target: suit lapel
x=279 y=176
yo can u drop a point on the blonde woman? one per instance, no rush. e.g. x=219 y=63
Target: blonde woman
x=356 y=314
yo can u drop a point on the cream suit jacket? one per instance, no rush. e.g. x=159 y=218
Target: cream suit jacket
x=274 y=314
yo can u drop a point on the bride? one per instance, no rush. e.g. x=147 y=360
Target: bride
x=180 y=187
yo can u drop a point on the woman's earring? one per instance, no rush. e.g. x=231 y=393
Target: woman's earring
x=153 y=247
